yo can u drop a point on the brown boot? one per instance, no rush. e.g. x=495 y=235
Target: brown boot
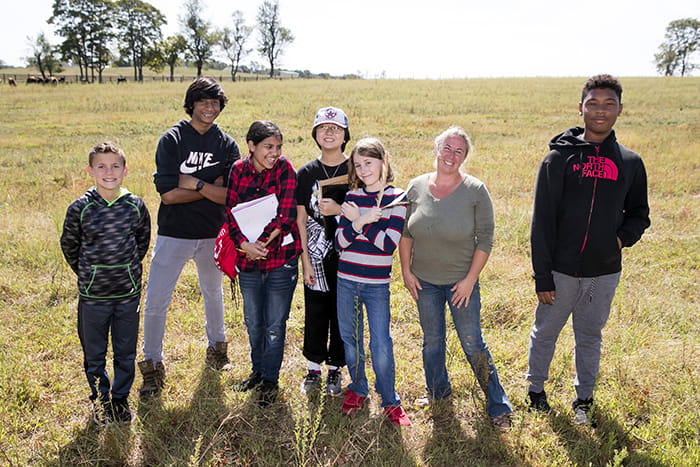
x=217 y=358
x=153 y=378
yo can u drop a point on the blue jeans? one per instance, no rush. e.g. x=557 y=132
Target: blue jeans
x=352 y=297
x=267 y=297
x=467 y=322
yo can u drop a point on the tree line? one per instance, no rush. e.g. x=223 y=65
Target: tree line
x=97 y=33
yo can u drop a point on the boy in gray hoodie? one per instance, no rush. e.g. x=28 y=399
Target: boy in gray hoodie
x=106 y=234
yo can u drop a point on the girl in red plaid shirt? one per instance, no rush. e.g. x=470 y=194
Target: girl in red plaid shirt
x=267 y=265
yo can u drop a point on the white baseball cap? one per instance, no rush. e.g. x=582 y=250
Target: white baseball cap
x=331 y=115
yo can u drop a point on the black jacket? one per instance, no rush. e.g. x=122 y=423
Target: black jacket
x=104 y=243
x=587 y=195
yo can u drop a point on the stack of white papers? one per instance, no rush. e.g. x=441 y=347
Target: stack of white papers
x=253 y=216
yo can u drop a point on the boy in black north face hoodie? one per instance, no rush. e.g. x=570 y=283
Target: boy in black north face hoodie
x=105 y=237
x=590 y=202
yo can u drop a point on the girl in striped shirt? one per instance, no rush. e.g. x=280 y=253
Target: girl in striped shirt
x=369 y=230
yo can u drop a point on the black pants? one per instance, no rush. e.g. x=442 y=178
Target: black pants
x=94 y=325
x=322 y=341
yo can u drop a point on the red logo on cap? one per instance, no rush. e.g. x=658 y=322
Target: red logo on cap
x=330 y=113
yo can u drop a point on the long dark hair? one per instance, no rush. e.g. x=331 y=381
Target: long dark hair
x=261 y=129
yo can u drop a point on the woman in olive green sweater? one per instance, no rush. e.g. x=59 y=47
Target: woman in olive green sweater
x=446 y=242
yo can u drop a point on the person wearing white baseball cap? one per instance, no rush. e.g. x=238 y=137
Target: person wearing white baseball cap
x=317 y=223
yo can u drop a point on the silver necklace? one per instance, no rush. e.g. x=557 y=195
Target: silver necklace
x=337 y=167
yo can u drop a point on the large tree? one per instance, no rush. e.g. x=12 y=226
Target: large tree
x=139 y=26
x=198 y=34
x=273 y=37
x=233 y=41
x=44 y=56
x=677 y=51
x=168 y=52
x=87 y=31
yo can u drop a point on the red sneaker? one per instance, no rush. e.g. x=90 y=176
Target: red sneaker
x=397 y=416
x=352 y=403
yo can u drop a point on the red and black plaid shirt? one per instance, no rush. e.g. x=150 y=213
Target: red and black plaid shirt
x=247 y=184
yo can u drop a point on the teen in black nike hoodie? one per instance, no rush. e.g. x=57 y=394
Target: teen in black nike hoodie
x=590 y=201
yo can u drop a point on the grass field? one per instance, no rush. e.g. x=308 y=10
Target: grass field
x=647 y=396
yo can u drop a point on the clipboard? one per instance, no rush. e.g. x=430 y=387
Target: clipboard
x=334 y=188
x=253 y=216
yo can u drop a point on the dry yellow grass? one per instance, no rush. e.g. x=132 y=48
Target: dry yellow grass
x=648 y=393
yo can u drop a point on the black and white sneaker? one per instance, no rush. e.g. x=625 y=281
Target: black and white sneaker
x=582 y=412
x=251 y=382
x=267 y=394
x=334 y=382
x=538 y=402
x=121 y=410
x=102 y=413
x=311 y=383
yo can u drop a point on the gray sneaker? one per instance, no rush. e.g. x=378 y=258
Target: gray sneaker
x=311 y=383
x=582 y=409
x=334 y=382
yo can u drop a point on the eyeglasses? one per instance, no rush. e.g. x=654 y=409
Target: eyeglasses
x=329 y=128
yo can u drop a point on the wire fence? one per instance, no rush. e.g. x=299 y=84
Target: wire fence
x=22 y=78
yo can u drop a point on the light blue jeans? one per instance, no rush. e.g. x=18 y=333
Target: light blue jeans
x=467 y=321
x=267 y=297
x=353 y=299
x=169 y=257
x=588 y=300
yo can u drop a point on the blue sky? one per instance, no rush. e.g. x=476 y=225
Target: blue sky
x=432 y=39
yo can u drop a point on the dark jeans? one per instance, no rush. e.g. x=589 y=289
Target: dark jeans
x=267 y=297
x=94 y=325
x=322 y=341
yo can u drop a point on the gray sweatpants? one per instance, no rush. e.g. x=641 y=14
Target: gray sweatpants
x=169 y=257
x=588 y=300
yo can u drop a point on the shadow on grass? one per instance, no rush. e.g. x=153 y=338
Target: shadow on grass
x=450 y=444
x=92 y=445
x=327 y=437
x=609 y=443
x=364 y=439
x=184 y=434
